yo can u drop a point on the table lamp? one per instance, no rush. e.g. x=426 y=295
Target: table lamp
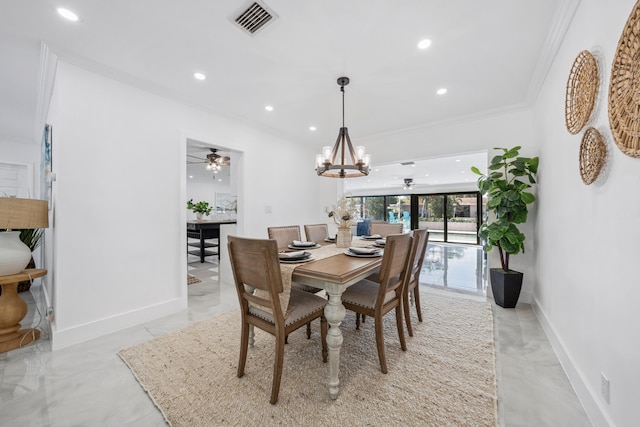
x=18 y=214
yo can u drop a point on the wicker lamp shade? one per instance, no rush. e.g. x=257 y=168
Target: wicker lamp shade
x=582 y=88
x=624 y=88
x=593 y=152
x=23 y=213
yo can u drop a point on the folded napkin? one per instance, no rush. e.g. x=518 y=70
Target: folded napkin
x=374 y=236
x=381 y=242
x=302 y=244
x=296 y=254
x=364 y=251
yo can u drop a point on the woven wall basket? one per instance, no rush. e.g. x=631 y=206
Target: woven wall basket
x=624 y=88
x=582 y=88
x=593 y=152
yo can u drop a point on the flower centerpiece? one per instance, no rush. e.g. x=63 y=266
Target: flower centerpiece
x=344 y=214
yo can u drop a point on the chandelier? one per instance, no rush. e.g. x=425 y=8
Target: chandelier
x=350 y=163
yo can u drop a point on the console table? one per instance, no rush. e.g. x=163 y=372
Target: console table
x=13 y=309
x=204 y=230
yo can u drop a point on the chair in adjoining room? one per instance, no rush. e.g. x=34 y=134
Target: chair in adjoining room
x=375 y=299
x=284 y=235
x=412 y=288
x=362 y=227
x=316 y=232
x=385 y=228
x=255 y=265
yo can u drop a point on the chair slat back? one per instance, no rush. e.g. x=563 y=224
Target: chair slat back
x=421 y=239
x=384 y=228
x=395 y=264
x=254 y=263
x=316 y=232
x=284 y=235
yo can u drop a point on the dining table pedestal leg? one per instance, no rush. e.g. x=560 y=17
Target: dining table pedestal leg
x=334 y=311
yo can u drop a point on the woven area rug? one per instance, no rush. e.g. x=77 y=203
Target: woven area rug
x=445 y=378
x=192 y=280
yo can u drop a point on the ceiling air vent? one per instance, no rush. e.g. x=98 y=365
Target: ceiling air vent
x=253 y=16
x=407 y=163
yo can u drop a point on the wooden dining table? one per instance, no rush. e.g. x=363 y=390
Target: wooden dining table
x=335 y=274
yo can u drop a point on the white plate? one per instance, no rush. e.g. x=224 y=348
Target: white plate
x=378 y=245
x=348 y=252
x=297 y=261
x=304 y=247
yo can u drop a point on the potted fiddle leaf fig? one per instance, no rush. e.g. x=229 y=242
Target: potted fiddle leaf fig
x=506 y=184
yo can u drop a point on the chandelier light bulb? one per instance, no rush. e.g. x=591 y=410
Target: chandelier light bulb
x=326 y=154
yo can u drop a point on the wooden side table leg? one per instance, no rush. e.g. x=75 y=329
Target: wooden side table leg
x=12 y=310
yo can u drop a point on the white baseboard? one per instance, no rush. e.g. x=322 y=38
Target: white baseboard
x=88 y=331
x=587 y=396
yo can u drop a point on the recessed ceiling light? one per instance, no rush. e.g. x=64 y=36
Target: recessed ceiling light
x=458 y=160
x=190 y=176
x=376 y=170
x=67 y=14
x=426 y=174
x=219 y=179
x=423 y=44
x=463 y=171
x=268 y=107
x=441 y=91
x=312 y=128
x=199 y=76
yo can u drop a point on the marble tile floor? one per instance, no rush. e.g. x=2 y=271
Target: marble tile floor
x=89 y=385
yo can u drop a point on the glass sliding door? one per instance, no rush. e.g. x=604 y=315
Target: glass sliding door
x=373 y=208
x=431 y=216
x=450 y=217
x=462 y=218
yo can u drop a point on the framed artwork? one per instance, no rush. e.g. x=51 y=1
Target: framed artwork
x=45 y=165
x=226 y=203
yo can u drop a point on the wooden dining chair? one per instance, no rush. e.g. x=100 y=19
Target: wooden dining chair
x=376 y=299
x=316 y=232
x=284 y=235
x=384 y=228
x=412 y=287
x=255 y=265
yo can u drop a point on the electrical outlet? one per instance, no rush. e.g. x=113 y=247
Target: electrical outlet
x=604 y=387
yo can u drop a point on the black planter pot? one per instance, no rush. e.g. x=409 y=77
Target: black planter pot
x=506 y=286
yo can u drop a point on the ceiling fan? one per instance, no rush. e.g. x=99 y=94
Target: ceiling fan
x=213 y=160
x=408 y=183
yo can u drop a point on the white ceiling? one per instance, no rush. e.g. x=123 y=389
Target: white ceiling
x=491 y=55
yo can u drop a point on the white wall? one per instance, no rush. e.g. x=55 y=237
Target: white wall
x=508 y=129
x=587 y=236
x=120 y=253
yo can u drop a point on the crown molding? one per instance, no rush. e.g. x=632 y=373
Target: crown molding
x=557 y=31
